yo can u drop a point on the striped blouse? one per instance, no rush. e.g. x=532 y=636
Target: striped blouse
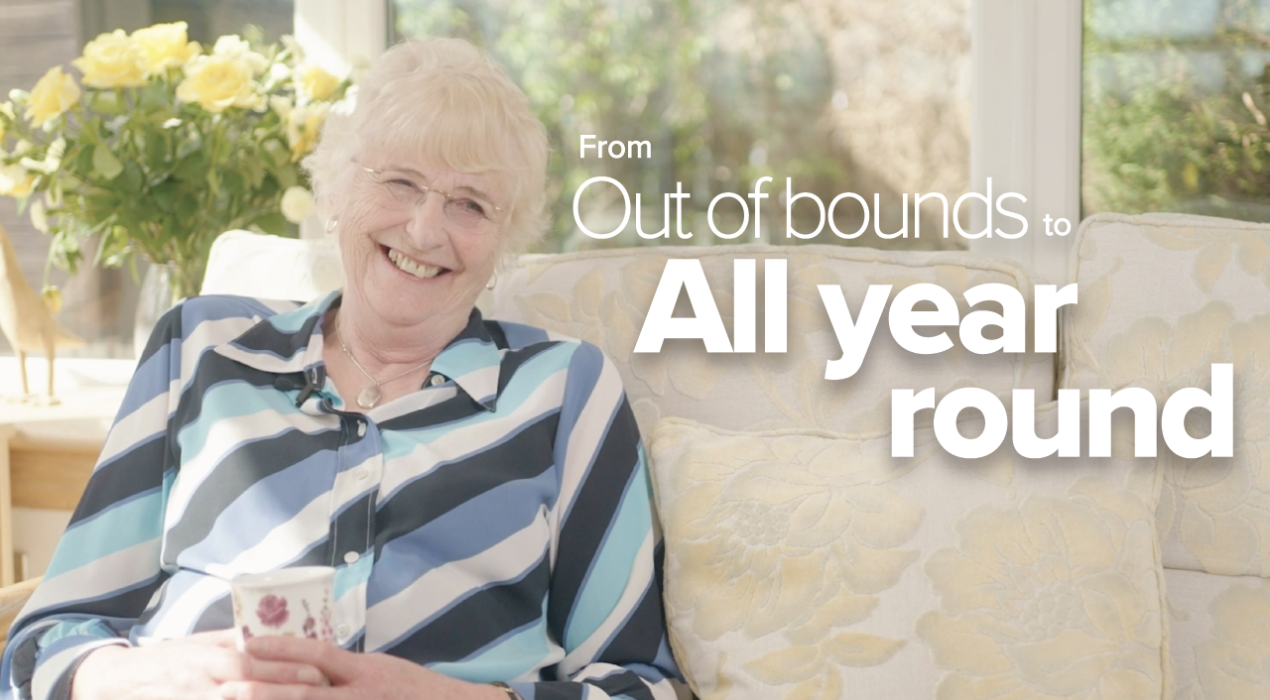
x=493 y=525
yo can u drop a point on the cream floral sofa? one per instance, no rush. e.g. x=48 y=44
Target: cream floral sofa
x=802 y=561
x=1162 y=298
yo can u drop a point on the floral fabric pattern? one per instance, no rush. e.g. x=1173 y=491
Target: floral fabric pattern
x=806 y=565
x=1136 y=327
x=1048 y=600
x=785 y=541
x=1235 y=663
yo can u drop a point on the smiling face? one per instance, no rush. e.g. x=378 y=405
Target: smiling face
x=438 y=115
x=413 y=259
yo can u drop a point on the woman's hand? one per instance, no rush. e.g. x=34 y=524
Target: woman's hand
x=352 y=676
x=181 y=669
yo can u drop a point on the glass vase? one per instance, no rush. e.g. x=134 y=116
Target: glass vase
x=160 y=291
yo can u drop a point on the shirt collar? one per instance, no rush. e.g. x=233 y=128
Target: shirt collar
x=284 y=343
x=292 y=341
x=473 y=361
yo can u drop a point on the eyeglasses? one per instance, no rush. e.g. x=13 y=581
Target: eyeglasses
x=468 y=212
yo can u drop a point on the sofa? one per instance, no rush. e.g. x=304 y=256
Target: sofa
x=803 y=561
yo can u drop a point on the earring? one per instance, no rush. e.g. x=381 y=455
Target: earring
x=493 y=281
x=331 y=223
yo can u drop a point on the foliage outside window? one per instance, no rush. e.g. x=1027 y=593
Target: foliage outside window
x=1176 y=99
x=839 y=95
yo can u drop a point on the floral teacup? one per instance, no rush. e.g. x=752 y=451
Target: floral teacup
x=295 y=602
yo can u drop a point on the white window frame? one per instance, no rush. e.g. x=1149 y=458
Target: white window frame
x=1025 y=115
x=1025 y=109
x=340 y=36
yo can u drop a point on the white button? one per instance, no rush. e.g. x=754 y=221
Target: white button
x=361 y=473
x=342 y=631
x=351 y=557
x=437 y=380
x=361 y=429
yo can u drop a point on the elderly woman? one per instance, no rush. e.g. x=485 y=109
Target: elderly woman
x=480 y=486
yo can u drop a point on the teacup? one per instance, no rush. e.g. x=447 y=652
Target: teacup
x=295 y=602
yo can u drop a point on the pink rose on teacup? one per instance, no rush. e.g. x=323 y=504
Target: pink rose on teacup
x=287 y=602
x=272 y=611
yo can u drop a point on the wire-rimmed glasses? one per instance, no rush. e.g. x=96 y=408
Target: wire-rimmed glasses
x=404 y=191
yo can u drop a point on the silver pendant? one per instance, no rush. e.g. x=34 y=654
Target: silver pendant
x=369 y=396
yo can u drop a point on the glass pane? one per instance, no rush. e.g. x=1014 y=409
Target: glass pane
x=1174 y=111
x=857 y=96
x=209 y=19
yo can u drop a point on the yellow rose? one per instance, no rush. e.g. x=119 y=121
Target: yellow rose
x=54 y=94
x=15 y=181
x=230 y=46
x=112 y=60
x=317 y=83
x=164 y=46
x=304 y=125
x=219 y=82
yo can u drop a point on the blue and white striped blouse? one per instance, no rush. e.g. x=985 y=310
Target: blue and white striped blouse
x=493 y=525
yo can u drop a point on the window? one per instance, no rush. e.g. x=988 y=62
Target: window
x=207 y=19
x=1175 y=101
x=861 y=97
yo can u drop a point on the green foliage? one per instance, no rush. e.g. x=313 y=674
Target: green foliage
x=1176 y=124
x=718 y=114
x=1168 y=148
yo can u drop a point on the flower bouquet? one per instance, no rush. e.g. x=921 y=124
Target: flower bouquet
x=164 y=146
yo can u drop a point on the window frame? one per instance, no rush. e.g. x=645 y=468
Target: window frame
x=1025 y=116
x=340 y=36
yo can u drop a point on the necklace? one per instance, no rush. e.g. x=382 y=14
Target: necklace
x=371 y=395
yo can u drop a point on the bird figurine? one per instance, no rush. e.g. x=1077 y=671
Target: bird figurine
x=26 y=319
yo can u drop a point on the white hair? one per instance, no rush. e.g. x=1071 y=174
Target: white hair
x=449 y=104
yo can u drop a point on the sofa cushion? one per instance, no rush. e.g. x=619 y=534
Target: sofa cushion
x=603 y=297
x=272 y=267
x=1162 y=298
x=802 y=564
x=1219 y=635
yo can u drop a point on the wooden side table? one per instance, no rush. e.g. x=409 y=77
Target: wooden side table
x=50 y=460
x=48 y=452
